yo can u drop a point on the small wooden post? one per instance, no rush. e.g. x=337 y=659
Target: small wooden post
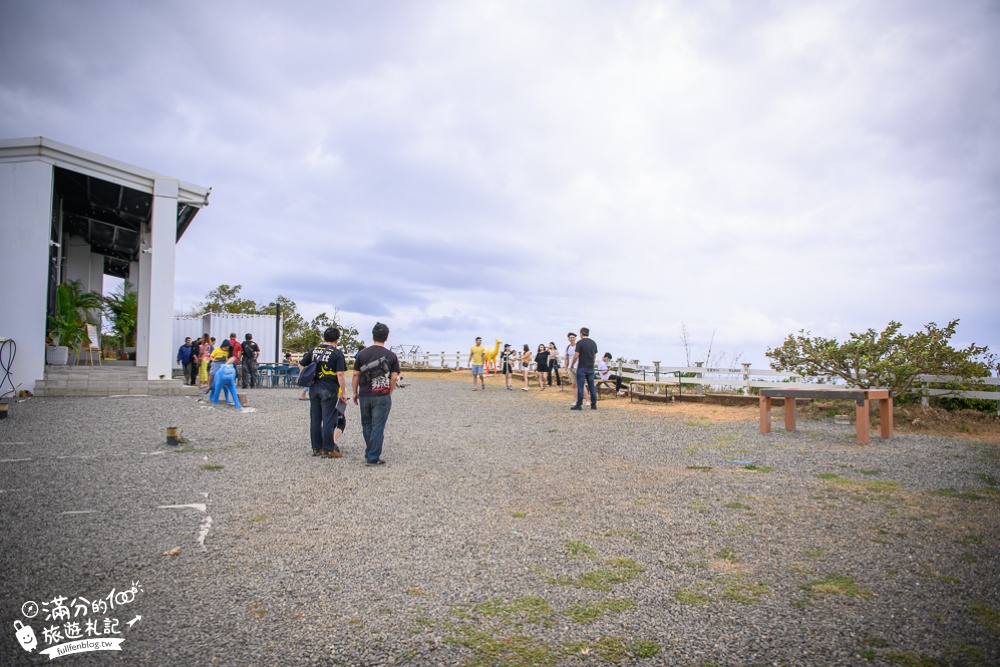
x=885 y=416
x=863 y=425
x=789 y=413
x=765 y=414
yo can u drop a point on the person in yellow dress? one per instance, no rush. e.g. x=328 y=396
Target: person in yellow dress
x=207 y=346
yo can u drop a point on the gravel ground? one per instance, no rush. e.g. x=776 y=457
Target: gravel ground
x=505 y=529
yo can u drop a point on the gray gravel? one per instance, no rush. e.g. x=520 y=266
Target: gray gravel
x=492 y=504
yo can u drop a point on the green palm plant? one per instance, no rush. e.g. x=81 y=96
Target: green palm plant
x=74 y=307
x=122 y=310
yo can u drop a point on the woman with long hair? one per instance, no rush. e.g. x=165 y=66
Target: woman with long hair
x=507 y=365
x=554 y=365
x=541 y=365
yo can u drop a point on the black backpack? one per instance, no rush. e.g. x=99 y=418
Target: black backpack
x=248 y=349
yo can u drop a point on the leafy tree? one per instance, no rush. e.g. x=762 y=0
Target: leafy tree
x=884 y=359
x=293 y=325
x=226 y=299
x=313 y=335
x=298 y=335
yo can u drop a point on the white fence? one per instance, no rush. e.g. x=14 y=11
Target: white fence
x=741 y=379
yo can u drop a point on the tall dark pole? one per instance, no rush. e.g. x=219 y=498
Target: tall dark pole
x=277 y=332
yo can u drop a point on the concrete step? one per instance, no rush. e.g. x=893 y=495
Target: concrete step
x=111 y=380
x=46 y=388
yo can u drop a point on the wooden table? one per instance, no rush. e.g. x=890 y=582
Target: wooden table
x=861 y=398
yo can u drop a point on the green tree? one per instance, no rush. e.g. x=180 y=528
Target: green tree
x=226 y=299
x=884 y=359
x=293 y=325
x=298 y=335
x=313 y=335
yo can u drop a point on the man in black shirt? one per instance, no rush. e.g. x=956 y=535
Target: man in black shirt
x=584 y=358
x=324 y=393
x=250 y=353
x=376 y=371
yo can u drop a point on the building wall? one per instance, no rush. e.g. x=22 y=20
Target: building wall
x=25 y=221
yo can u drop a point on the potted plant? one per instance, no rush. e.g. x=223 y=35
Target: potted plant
x=68 y=327
x=122 y=311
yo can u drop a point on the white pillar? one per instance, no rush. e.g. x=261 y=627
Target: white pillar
x=77 y=252
x=143 y=284
x=25 y=221
x=163 y=246
x=96 y=282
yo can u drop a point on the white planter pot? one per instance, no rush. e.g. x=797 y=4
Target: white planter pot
x=57 y=355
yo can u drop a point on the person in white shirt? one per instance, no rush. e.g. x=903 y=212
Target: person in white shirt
x=605 y=376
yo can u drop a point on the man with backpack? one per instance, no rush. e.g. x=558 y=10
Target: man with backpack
x=250 y=353
x=376 y=371
x=324 y=391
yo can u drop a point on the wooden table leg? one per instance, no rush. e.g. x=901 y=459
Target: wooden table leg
x=789 y=413
x=863 y=428
x=885 y=416
x=765 y=414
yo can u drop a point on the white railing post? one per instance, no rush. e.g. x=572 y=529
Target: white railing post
x=746 y=378
x=700 y=388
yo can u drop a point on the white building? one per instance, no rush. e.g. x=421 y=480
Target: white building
x=67 y=214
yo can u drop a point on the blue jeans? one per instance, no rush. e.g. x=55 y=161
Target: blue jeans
x=585 y=375
x=374 y=414
x=323 y=417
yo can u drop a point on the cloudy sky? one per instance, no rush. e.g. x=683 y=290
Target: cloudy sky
x=518 y=169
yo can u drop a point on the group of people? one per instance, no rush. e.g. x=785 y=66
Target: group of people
x=579 y=359
x=216 y=368
x=375 y=378
x=376 y=374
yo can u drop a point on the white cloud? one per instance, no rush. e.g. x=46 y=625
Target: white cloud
x=747 y=169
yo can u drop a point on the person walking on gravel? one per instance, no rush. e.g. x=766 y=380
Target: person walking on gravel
x=324 y=417
x=250 y=352
x=376 y=371
x=583 y=358
x=477 y=357
x=507 y=365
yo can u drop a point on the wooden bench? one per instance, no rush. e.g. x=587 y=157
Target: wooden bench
x=861 y=398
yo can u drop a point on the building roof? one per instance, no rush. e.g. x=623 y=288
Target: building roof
x=104 y=200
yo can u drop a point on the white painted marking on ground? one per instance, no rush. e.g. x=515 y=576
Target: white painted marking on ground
x=14 y=460
x=203 y=533
x=201 y=507
x=14 y=443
